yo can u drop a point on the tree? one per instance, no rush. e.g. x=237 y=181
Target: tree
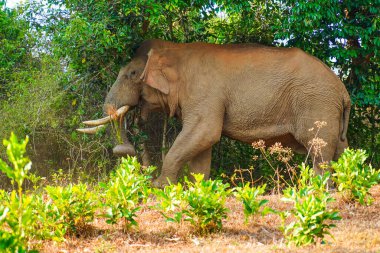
x=14 y=49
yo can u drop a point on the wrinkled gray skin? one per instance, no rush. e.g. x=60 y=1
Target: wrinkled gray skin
x=246 y=92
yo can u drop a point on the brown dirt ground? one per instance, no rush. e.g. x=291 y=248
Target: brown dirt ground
x=358 y=231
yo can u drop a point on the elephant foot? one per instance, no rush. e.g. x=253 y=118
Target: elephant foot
x=124 y=150
x=161 y=182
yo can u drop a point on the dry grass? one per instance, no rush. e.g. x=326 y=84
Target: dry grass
x=358 y=231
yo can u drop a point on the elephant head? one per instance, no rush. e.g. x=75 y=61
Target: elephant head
x=134 y=87
x=126 y=90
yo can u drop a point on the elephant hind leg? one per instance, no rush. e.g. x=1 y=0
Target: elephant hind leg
x=326 y=155
x=323 y=147
x=340 y=149
x=201 y=164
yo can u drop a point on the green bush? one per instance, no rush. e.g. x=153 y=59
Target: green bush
x=9 y=242
x=206 y=203
x=171 y=202
x=16 y=208
x=353 y=177
x=16 y=223
x=75 y=205
x=21 y=165
x=202 y=203
x=127 y=187
x=310 y=213
x=49 y=223
x=248 y=195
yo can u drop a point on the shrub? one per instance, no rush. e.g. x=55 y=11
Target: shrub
x=206 y=203
x=243 y=180
x=74 y=204
x=127 y=187
x=249 y=196
x=9 y=242
x=16 y=211
x=49 y=223
x=202 y=204
x=171 y=202
x=16 y=223
x=15 y=150
x=310 y=212
x=353 y=177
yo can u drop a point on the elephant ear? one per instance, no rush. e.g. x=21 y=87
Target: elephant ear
x=159 y=73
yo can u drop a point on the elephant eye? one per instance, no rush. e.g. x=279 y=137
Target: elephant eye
x=130 y=75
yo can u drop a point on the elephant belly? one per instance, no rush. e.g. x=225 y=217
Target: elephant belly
x=269 y=133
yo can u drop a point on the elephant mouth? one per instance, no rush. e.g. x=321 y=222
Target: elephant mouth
x=126 y=148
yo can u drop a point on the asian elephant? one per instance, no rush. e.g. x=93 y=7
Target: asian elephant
x=244 y=91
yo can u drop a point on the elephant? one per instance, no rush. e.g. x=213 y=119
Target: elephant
x=247 y=92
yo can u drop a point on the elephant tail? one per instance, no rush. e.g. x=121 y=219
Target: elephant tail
x=345 y=117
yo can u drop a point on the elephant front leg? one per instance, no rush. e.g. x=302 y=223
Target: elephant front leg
x=192 y=144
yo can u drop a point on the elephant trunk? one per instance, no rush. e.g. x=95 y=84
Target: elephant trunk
x=126 y=148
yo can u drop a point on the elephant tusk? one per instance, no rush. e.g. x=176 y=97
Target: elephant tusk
x=97 y=122
x=91 y=130
x=120 y=112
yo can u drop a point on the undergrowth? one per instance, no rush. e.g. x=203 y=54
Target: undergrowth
x=55 y=212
